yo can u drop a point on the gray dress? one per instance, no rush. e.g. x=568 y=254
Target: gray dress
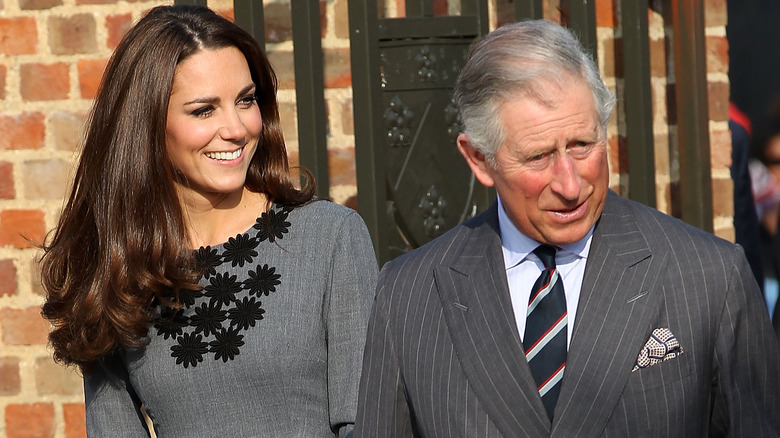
x=271 y=346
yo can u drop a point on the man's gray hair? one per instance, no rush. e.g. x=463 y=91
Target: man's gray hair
x=516 y=60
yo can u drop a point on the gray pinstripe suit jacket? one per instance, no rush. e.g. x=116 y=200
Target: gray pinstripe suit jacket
x=444 y=359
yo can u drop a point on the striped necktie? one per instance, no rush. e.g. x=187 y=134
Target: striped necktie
x=545 y=330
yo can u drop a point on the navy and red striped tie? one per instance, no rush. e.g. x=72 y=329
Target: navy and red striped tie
x=545 y=330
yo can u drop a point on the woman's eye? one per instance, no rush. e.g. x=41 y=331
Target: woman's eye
x=203 y=111
x=247 y=101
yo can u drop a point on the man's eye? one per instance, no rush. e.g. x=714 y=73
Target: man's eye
x=537 y=157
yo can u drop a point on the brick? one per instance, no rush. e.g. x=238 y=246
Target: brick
x=289 y=117
x=44 y=81
x=96 y=2
x=23 y=131
x=66 y=129
x=717 y=54
x=715 y=13
x=75 y=420
x=337 y=68
x=30 y=420
x=24 y=326
x=341 y=19
x=8 y=281
x=18 y=36
x=117 y=25
x=36 y=287
x=55 y=379
x=718 y=101
x=7 y=190
x=341 y=166
x=46 y=179
x=278 y=19
x=720 y=149
x=10 y=380
x=90 y=73
x=38 y=4
x=658 y=57
x=605 y=13
x=73 y=34
x=612 y=67
x=3 y=73
x=15 y=225
x=284 y=65
x=722 y=197
x=347 y=118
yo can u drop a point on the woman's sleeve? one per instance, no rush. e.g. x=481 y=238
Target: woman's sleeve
x=351 y=294
x=112 y=406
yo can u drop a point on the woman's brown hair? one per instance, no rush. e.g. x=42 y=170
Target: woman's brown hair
x=120 y=243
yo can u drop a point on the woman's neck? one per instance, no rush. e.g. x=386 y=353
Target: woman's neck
x=212 y=220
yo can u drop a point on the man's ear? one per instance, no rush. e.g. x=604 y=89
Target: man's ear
x=476 y=161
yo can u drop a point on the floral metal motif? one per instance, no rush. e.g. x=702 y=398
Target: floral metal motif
x=427 y=63
x=433 y=207
x=453 y=120
x=399 y=120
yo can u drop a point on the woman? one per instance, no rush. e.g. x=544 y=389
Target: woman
x=187 y=274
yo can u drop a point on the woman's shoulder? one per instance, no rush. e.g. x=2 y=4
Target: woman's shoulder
x=322 y=210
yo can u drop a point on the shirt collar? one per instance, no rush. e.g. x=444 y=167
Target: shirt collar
x=516 y=245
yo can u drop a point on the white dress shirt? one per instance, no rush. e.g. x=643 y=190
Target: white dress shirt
x=523 y=268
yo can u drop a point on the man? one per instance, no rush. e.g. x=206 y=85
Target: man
x=635 y=324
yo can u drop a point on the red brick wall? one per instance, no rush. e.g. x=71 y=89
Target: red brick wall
x=52 y=53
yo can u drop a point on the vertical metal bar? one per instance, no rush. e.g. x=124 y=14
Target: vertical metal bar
x=418 y=8
x=366 y=70
x=249 y=15
x=690 y=70
x=191 y=2
x=638 y=101
x=309 y=92
x=528 y=9
x=582 y=20
x=480 y=9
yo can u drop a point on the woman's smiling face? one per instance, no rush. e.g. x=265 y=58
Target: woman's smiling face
x=213 y=123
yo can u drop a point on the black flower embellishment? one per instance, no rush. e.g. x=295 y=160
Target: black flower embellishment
x=208 y=319
x=222 y=289
x=206 y=261
x=190 y=349
x=246 y=313
x=170 y=323
x=226 y=344
x=187 y=297
x=264 y=281
x=240 y=249
x=272 y=225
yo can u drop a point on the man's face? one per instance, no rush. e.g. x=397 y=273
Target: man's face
x=551 y=171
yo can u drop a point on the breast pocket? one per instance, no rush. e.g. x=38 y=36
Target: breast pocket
x=665 y=373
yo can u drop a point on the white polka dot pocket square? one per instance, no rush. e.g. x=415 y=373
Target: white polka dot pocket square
x=661 y=346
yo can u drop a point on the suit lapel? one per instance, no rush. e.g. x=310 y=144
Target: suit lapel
x=478 y=310
x=617 y=302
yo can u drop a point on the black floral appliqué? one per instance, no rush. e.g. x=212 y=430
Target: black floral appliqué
x=272 y=225
x=240 y=250
x=190 y=350
x=208 y=319
x=206 y=261
x=223 y=289
x=246 y=313
x=226 y=344
x=262 y=282
x=214 y=319
x=171 y=323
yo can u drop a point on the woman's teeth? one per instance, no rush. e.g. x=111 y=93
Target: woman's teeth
x=225 y=156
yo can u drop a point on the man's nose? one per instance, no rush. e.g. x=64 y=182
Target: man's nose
x=566 y=180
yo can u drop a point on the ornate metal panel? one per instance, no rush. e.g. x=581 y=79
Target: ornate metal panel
x=424 y=185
